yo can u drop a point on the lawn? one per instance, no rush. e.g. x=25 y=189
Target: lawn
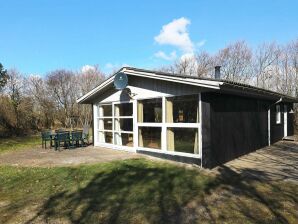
x=141 y=191
x=19 y=143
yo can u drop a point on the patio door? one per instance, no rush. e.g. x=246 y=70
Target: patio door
x=285 y=120
x=115 y=124
x=123 y=124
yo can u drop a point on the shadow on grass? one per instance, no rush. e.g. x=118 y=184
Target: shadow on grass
x=130 y=192
x=133 y=192
x=252 y=191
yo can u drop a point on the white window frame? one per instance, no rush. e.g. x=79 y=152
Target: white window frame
x=164 y=126
x=149 y=124
x=278 y=114
x=113 y=117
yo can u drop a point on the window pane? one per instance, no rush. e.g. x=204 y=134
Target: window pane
x=105 y=124
x=182 y=109
x=278 y=114
x=150 y=110
x=124 y=139
x=105 y=110
x=123 y=109
x=123 y=124
x=183 y=140
x=150 y=137
x=105 y=137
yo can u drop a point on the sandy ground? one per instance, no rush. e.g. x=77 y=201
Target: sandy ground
x=68 y=157
x=277 y=162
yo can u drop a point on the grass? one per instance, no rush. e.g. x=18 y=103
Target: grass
x=141 y=191
x=19 y=143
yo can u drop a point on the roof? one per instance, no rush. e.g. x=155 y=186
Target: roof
x=211 y=83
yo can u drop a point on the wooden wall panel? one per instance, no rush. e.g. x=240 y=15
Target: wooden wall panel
x=163 y=86
x=238 y=126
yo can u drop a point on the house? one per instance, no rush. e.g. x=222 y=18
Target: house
x=197 y=120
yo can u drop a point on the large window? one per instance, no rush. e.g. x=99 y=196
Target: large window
x=182 y=109
x=166 y=124
x=115 y=127
x=179 y=132
x=185 y=111
x=183 y=140
x=150 y=137
x=150 y=111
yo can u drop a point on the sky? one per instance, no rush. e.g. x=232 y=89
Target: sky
x=40 y=36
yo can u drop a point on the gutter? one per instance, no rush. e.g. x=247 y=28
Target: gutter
x=259 y=91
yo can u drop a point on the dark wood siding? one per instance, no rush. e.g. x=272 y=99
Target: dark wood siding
x=238 y=125
x=206 y=132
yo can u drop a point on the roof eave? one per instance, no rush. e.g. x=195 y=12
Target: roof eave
x=257 y=92
x=201 y=83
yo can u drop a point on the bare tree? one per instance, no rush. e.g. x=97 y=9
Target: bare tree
x=62 y=87
x=14 y=89
x=264 y=63
x=87 y=81
x=235 y=60
x=167 y=69
x=204 y=64
x=293 y=57
x=44 y=106
x=186 y=65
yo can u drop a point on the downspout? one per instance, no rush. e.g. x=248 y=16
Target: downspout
x=269 y=123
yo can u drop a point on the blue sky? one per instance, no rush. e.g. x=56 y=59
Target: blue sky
x=39 y=36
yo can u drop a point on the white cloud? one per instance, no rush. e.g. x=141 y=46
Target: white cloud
x=87 y=68
x=113 y=67
x=176 y=34
x=187 y=56
x=163 y=55
x=116 y=65
x=201 y=43
x=109 y=66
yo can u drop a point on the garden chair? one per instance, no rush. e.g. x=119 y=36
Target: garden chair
x=46 y=136
x=77 y=138
x=62 y=137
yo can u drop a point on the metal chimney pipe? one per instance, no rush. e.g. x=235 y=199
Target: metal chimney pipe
x=217 y=72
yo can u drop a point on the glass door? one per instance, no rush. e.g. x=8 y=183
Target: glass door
x=115 y=124
x=123 y=124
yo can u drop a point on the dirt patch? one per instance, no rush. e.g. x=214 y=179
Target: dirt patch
x=50 y=157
